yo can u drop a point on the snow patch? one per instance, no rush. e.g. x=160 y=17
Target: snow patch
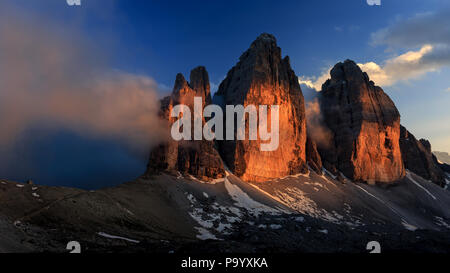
x=316 y=185
x=244 y=201
x=214 y=181
x=408 y=174
x=381 y=201
x=307 y=175
x=297 y=199
x=197 y=215
x=329 y=173
x=20 y=185
x=205 y=234
x=324 y=231
x=124 y=209
x=409 y=226
x=216 y=219
x=441 y=222
x=275 y=226
x=109 y=236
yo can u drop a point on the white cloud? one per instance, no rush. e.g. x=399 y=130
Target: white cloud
x=315 y=82
x=408 y=66
x=424 y=28
x=426 y=36
x=427 y=31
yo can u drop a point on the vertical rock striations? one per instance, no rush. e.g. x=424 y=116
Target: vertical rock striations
x=365 y=125
x=312 y=156
x=263 y=77
x=196 y=157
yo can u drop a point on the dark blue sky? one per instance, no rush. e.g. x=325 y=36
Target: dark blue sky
x=161 y=38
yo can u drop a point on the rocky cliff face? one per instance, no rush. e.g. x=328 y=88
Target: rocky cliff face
x=418 y=158
x=263 y=77
x=196 y=157
x=365 y=125
x=312 y=156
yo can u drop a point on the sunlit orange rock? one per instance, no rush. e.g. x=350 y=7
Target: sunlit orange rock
x=263 y=77
x=195 y=157
x=312 y=156
x=365 y=125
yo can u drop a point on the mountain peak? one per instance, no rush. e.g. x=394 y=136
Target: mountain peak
x=263 y=48
x=197 y=158
x=262 y=77
x=263 y=42
x=266 y=37
x=365 y=124
x=199 y=81
x=180 y=82
x=347 y=71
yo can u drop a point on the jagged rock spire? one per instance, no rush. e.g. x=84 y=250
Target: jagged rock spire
x=263 y=77
x=197 y=158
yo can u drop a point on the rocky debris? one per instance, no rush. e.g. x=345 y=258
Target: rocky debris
x=312 y=156
x=195 y=157
x=263 y=77
x=166 y=213
x=418 y=158
x=365 y=125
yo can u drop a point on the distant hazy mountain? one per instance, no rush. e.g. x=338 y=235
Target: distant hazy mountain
x=442 y=157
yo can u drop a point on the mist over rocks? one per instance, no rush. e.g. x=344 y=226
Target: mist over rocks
x=351 y=128
x=195 y=157
x=263 y=77
x=365 y=125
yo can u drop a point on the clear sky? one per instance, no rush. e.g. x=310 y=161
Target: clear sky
x=403 y=44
